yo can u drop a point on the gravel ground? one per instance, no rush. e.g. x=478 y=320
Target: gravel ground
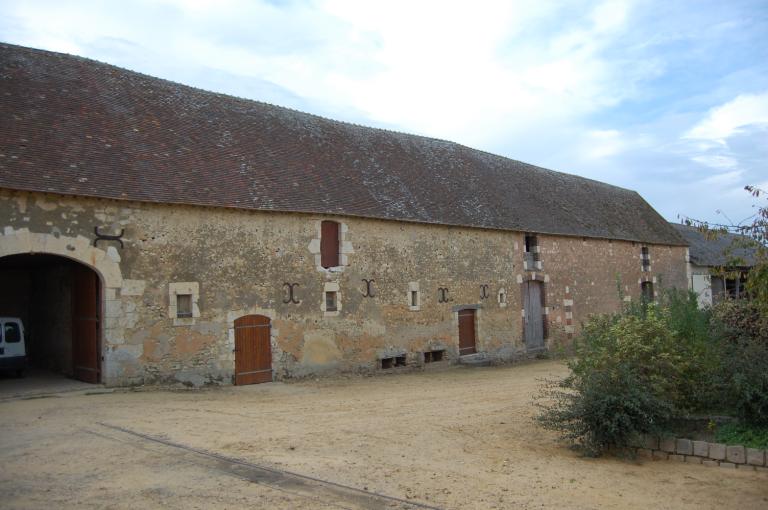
x=445 y=438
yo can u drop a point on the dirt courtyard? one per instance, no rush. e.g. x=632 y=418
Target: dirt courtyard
x=451 y=438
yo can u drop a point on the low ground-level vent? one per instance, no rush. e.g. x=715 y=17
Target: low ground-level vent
x=432 y=356
x=395 y=361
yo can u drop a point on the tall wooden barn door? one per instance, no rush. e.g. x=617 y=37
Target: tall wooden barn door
x=534 y=316
x=253 y=350
x=467 y=344
x=86 y=312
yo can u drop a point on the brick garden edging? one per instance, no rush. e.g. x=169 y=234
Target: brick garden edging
x=702 y=452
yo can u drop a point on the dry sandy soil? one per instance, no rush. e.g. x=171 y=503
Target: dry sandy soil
x=452 y=438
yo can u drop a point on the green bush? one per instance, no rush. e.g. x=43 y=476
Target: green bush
x=626 y=379
x=605 y=409
x=646 y=368
x=742 y=377
x=633 y=373
x=745 y=435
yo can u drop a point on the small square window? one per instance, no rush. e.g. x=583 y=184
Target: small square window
x=183 y=306
x=330 y=302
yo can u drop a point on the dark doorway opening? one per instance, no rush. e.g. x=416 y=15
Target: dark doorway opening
x=59 y=303
x=646 y=292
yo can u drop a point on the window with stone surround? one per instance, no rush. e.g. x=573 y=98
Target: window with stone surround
x=414 y=297
x=645 y=257
x=330 y=301
x=183 y=302
x=531 y=257
x=502 y=298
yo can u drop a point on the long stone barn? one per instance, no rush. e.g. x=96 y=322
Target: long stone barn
x=155 y=233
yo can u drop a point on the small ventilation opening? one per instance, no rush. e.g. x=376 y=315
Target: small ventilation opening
x=396 y=361
x=414 y=298
x=330 y=302
x=183 y=305
x=433 y=356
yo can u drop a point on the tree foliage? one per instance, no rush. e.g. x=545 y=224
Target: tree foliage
x=753 y=236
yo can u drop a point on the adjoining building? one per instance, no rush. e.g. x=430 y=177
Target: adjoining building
x=153 y=232
x=718 y=263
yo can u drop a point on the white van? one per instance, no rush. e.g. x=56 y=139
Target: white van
x=13 y=352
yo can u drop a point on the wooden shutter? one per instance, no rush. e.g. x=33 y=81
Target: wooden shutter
x=329 y=244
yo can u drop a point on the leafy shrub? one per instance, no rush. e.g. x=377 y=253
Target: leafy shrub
x=604 y=409
x=740 y=318
x=633 y=373
x=647 y=367
x=742 y=377
x=625 y=380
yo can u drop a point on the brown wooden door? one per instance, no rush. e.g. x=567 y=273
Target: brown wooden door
x=534 y=317
x=86 y=311
x=253 y=351
x=467 y=332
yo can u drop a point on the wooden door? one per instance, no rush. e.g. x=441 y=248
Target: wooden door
x=467 y=332
x=253 y=350
x=86 y=324
x=534 y=317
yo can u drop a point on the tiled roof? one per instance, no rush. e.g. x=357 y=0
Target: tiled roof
x=75 y=126
x=717 y=250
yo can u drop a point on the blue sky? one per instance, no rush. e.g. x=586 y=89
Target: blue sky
x=669 y=98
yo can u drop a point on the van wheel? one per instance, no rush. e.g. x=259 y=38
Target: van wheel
x=19 y=373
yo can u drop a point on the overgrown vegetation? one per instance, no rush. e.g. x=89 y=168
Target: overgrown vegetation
x=746 y=435
x=642 y=369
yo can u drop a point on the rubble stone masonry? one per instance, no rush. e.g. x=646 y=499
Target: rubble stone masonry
x=236 y=262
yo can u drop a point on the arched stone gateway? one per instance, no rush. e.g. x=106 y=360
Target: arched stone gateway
x=101 y=282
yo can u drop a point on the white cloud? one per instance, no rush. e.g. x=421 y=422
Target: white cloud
x=716 y=161
x=731 y=118
x=603 y=143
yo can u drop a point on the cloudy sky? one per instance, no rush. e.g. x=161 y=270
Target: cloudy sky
x=669 y=98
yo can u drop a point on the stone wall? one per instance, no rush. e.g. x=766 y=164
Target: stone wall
x=703 y=452
x=238 y=262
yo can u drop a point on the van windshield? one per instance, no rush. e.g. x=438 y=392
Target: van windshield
x=11 y=332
